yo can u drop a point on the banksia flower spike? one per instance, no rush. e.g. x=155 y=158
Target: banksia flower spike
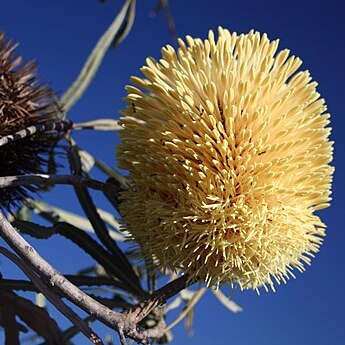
x=23 y=103
x=228 y=153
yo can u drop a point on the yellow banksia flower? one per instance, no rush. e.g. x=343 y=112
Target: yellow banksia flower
x=227 y=148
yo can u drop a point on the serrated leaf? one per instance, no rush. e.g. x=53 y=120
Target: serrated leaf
x=56 y=214
x=127 y=273
x=33 y=229
x=36 y=318
x=9 y=322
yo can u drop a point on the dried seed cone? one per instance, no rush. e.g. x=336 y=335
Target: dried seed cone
x=228 y=152
x=23 y=103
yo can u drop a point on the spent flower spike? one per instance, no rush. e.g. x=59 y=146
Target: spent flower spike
x=23 y=103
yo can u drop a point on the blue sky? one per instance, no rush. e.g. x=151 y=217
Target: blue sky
x=59 y=34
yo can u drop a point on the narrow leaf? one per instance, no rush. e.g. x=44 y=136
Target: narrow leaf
x=86 y=281
x=111 y=172
x=76 y=90
x=87 y=160
x=99 y=125
x=111 y=196
x=126 y=26
x=229 y=304
x=33 y=229
x=36 y=318
x=101 y=256
x=55 y=214
x=102 y=232
x=9 y=322
x=190 y=305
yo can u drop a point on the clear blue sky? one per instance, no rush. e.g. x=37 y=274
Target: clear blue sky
x=59 y=34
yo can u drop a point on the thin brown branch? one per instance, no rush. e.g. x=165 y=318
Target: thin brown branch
x=61 y=126
x=50 y=180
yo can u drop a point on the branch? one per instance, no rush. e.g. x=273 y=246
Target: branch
x=158 y=298
x=126 y=323
x=61 y=126
x=49 y=180
x=117 y=321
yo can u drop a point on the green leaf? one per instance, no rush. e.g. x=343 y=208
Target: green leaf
x=36 y=318
x=78 y=87
x=55 y=214
x=77 y=280
x=24 y=213
x=128 y=274
x=227 y=302
x=125 y=27
x=33 y=229
x=99 y=125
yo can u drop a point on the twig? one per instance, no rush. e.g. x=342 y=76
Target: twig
x=158 y=298
x=122 y=339
x=61 y=126
x=54 y=299
x=50 y=180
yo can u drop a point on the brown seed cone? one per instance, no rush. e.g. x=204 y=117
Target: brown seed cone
x=23 y=102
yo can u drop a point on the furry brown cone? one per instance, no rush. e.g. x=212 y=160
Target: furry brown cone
x=23 y=102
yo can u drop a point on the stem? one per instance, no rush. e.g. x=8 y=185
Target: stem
x=61 y=126
x=158 y=298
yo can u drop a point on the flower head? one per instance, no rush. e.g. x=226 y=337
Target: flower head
x=228 y=152
x=23 y=103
